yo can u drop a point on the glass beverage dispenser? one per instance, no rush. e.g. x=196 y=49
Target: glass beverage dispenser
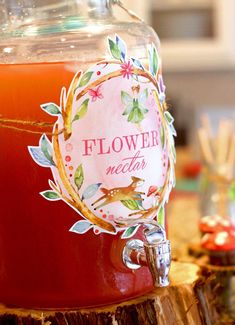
x=87 y=155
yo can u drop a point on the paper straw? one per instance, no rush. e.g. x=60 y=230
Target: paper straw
x=205 y=145
x=223 y=141
x=205 y=121
x=231 y=155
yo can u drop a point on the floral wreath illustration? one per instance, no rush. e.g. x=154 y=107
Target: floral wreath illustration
x=48 y=153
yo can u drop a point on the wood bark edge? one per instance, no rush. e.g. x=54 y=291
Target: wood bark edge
x=188 y=302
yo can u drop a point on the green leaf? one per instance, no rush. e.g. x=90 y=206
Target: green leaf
x=114 y=49
x=81 y=112
x=137 y=63
x=173 y=131
x=90 y=191
x=130 y=204
x=232 y=192
x=81 y=227
x=51 y=108
x=46 y=148
x=85 y=78
x=122 y=47
x=155 y=61
x=173 y=153
x=79 y=177
x=169 y=117
x=39 y=157
x=161 y=217
x=129 y=232
x=162 y=136
x=50 y=195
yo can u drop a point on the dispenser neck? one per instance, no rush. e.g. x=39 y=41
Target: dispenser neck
x=19 y=13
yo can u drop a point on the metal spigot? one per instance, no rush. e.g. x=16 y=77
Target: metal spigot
x=154 y=252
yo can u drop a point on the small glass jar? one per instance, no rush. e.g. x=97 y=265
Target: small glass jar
x=216 y=186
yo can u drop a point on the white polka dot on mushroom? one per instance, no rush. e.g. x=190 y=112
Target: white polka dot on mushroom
x=221 y=238
x=212 y=223
x=225 y=222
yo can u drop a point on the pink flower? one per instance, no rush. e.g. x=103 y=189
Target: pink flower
x=127 y=69
x=95 y=93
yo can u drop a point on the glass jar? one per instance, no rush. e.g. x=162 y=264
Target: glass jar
x=217 y=182
x=43 y=45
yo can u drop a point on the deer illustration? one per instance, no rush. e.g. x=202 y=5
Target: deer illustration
x=121 y=193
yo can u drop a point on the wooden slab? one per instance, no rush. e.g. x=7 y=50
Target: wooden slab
x=188 y=301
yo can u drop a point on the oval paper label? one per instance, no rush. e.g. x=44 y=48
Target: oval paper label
x=112 y=151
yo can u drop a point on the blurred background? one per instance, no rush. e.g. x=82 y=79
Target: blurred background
x=198 y=50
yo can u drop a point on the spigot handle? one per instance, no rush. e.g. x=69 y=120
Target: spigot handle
x=158 y=258
x=155 y=252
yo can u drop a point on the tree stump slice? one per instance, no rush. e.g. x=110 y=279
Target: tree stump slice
x=188 y=300
x=223 y=282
